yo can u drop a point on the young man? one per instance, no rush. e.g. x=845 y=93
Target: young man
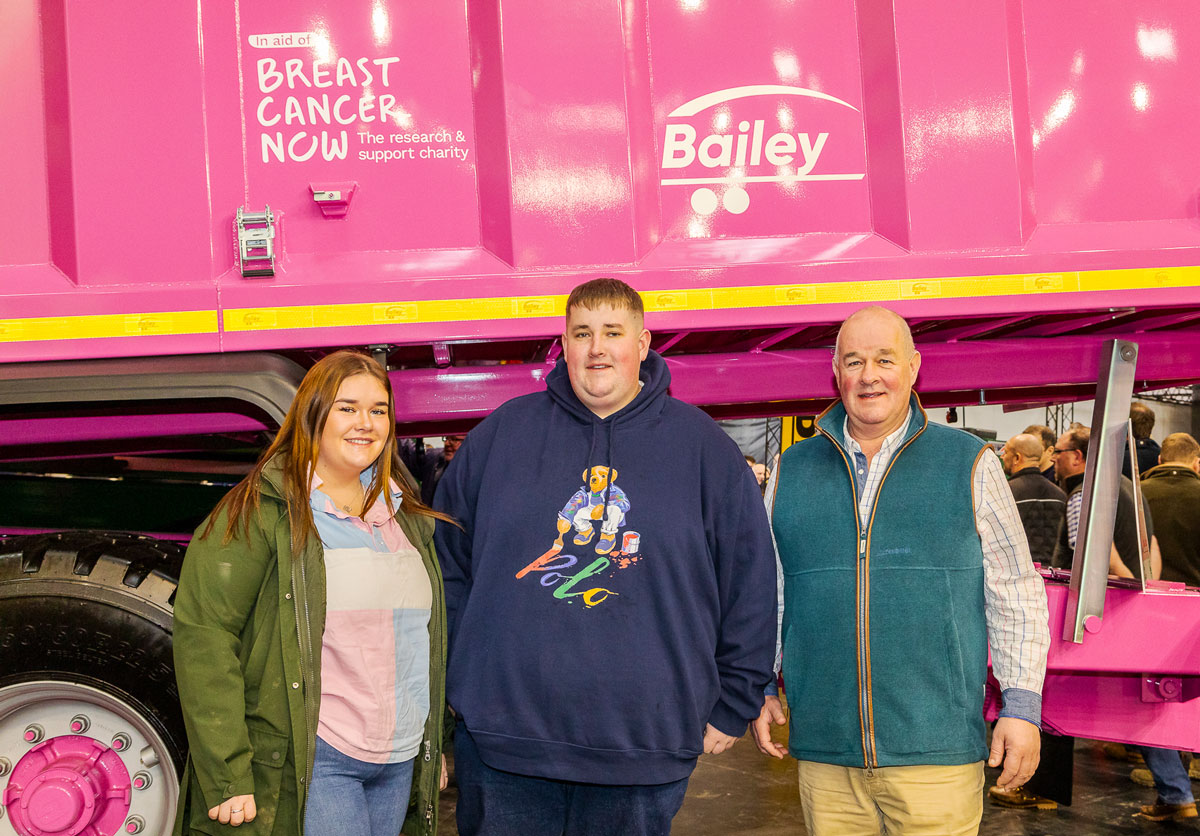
x=611 y=594
x=904 y=560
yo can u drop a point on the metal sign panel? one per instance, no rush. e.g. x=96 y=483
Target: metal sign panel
x=1101 y=491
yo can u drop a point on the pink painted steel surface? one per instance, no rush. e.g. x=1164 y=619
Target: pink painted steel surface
x=69 y=784
x=508 y=149
x=1095 y=689
x=514 y=147
x=1110 y=108
x=68 y=428
x=470 y=393
x=374 y=93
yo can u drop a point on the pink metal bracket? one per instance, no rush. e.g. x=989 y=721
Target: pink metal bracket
x=333 y=198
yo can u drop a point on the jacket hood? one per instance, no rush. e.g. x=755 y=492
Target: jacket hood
x=654 y=376
x=271 y=484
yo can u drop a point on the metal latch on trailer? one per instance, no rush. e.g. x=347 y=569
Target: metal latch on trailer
x=256 y=243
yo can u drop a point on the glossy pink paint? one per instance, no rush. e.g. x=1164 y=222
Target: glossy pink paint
x=1095 y=689
x=999 y=139
x=68 y=784
x=678 y=144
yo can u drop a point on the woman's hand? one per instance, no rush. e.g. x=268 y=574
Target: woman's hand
x=445 y=782
x=239 y=809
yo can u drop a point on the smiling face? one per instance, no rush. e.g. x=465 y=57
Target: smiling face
x=875 y=373
x=604 y=349
x=356 y=429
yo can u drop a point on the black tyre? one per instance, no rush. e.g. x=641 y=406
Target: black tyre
x=87 y=683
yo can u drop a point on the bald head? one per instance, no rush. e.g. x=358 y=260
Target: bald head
x=1028 y=445
x=879 y=315
x=1022 y=451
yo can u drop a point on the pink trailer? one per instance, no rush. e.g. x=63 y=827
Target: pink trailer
x=204 y=197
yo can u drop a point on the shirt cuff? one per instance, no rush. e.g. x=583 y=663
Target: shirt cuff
x=1023 y=705
x=772 y=688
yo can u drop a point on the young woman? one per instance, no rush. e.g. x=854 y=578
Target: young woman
x=310 y=630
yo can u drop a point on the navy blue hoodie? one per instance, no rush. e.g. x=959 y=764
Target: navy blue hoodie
x=602 y=660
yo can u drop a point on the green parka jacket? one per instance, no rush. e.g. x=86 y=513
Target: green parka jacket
x=249 y=617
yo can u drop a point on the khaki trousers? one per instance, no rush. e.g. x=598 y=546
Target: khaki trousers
x=893 y=800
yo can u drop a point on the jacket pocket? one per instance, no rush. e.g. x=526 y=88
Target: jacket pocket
x=920 y=689
x=270 y=753
x=820 y=665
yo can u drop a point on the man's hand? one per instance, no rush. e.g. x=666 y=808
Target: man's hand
x=716 y=741
x=1018 y=744
x=235 y=811
x=445 y=779
x=772 y=713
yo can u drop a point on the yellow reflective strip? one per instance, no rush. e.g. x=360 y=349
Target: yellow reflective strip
x=532 y=307
x=657 y=301
x=717 y=298
x=384 y=313
x=889 y=290
x=92 y=326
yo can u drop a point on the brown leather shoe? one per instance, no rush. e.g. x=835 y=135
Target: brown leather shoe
x=1161 y=812
x=1142 y=776
x=1121 y=752
x=1020 y=800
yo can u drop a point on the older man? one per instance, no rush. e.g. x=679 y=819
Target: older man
x=1042 y=505
x=1125 y=555
x=904 y=560
x=1172 y=490
x=610 y=594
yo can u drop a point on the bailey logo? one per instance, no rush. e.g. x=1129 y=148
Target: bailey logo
x=790 y=156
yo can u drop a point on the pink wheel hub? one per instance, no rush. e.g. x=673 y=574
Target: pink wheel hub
x=66 y=785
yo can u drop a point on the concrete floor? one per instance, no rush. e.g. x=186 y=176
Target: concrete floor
x=742 y=792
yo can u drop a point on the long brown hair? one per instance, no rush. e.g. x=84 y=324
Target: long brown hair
x=298 y=443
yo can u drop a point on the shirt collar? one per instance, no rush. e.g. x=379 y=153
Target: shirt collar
x=377 y=514
x=889 y=443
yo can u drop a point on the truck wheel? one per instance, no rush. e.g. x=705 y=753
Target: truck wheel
x=91 y=734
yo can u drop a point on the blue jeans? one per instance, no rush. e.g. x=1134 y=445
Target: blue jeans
x=349 y=797
x=496 y=803
x=1170 y=775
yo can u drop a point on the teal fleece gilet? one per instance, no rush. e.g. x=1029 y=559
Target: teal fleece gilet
x=884 y=633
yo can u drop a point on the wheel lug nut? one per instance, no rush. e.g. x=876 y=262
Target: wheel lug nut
x=134 y=824
x=120 y=743
x=34 y=734
x=5 y=766
x=141 y=780
x=80 y=723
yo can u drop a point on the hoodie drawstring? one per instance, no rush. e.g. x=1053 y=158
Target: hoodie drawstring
x=608 y=457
